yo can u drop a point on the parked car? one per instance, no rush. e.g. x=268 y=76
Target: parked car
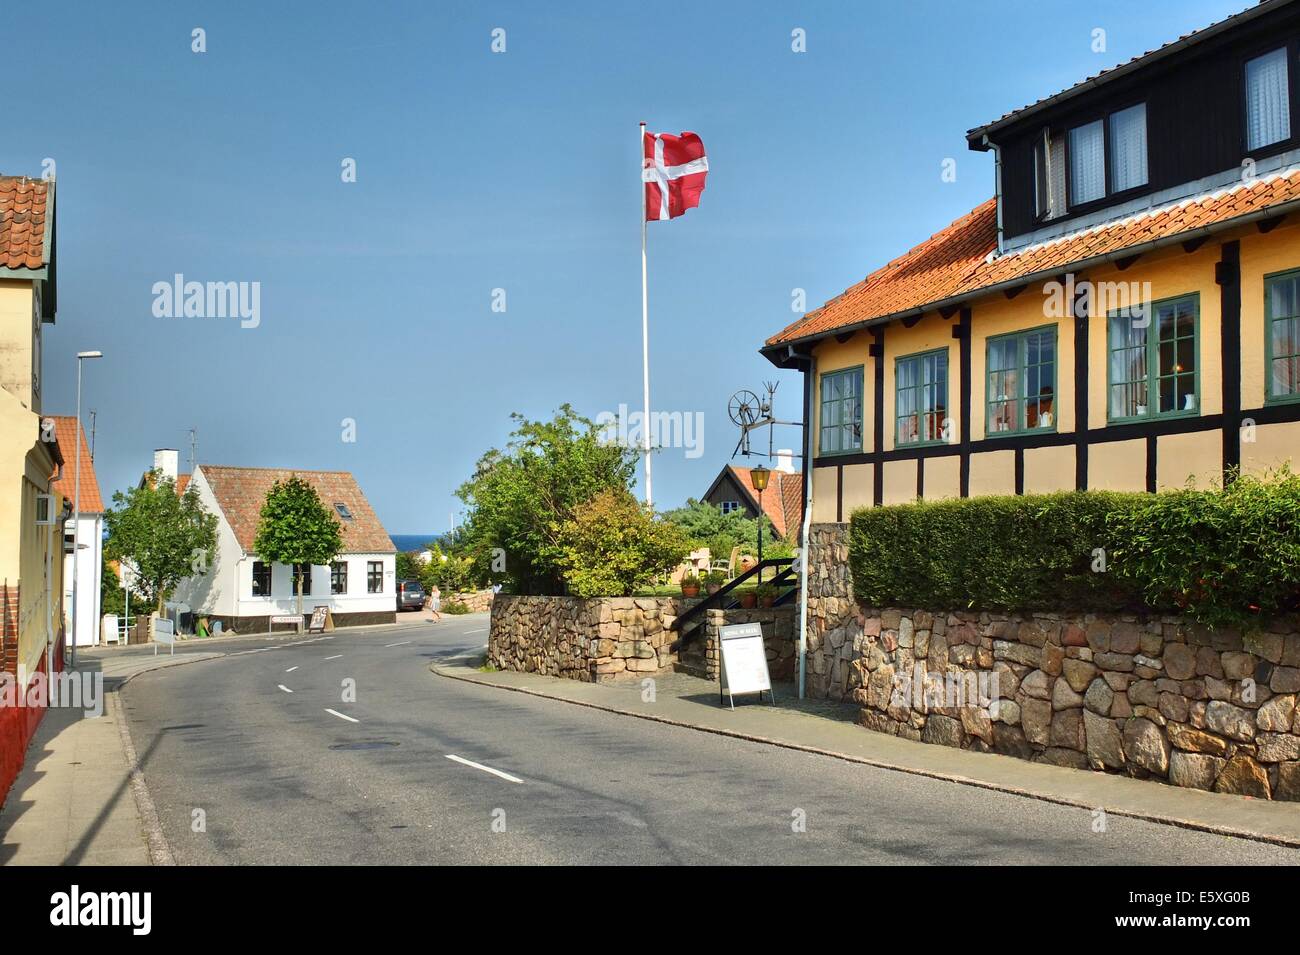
x=410 y=595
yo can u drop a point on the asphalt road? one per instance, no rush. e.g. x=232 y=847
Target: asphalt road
x=247 y=744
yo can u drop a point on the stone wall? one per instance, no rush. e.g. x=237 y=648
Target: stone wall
x=834 y=618
x=479 y=601
x=1151 y=697
x=592 y=639
x=778 y=624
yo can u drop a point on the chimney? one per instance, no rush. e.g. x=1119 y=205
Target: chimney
x=785 y=460
x=167 y=460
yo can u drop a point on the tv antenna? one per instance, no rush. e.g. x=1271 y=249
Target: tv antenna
x=749 y=413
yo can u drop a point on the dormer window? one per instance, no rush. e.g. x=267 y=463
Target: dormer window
x=1108 y=156
x=1128 y=148
x=1087 y=163
x=344 y=511
x=1268 y=94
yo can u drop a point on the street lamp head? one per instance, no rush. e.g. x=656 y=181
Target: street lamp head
x=90 y=354
x=758 y=477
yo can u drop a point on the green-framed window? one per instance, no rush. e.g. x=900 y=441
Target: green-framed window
x=921 y=404
x=1153 y=359
x=1282 y=335
x=841 y=411
x=1021 y=393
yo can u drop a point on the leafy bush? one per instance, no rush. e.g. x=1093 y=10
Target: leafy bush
x=455 y=607
x=1221 y=556
x=992 y=553
x=612 y=546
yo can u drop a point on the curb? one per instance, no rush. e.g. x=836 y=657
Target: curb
x=1192 y=824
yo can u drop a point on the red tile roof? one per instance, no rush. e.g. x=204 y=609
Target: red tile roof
x=957 y=261
x=182 y=482
x=240 y=493
x=782 y=500
x=65 y=430
x=22 y=222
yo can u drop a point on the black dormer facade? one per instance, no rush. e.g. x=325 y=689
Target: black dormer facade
x=1178 y=121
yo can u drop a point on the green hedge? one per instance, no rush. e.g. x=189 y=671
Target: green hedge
x=1221 y=556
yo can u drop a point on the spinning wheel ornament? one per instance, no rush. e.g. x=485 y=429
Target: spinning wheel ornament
x=744 y=408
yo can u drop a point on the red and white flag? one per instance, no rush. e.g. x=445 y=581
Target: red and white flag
x=673 y=170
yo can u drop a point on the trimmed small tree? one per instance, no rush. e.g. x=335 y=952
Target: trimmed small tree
x=295 y=528
x=165 y=537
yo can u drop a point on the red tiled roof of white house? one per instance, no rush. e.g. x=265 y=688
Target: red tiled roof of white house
x=65 y=432
x=240 y=493
x=958 y=262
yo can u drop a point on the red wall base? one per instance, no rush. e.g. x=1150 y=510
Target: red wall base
x=17 y=724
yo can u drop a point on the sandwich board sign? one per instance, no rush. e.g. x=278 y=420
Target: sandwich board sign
x=744 y=662
x=320 y=619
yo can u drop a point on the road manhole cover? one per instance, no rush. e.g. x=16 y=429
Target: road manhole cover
x=366 y=744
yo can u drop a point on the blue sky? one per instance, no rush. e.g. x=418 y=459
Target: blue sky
x=478 y=171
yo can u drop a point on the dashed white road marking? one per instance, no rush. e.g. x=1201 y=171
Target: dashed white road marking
x=487 y=769
x=481 y=630
x=402 y=644
x=283 y=687
x=290 y=670
x=335 y=657
x=342 y=716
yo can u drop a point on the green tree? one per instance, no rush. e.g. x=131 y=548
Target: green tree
x=166 y=537
x=408 y=566
x=112 y=598
x=520 y=498
x=612 y=545
x=296 y=529
x=706 y=526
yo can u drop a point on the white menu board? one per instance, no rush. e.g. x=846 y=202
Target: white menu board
x=744 y=660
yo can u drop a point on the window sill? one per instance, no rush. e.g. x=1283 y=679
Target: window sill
x=903 y=445
x=1018 y=433
x=1282 y=399
x=1159 y=416
x=839 y=454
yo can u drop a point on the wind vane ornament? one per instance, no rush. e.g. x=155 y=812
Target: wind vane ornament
x=673 y=170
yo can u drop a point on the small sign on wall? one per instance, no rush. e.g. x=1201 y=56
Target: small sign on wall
x=744 y=662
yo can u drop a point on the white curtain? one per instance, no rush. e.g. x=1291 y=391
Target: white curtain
x=1268 y=108
x=1128 y=148
x=1087 y=164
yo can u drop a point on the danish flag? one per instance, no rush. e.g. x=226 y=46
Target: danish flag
x=673 y=170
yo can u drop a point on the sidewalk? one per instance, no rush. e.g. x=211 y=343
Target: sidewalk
x=829 y=729
x=74 y=803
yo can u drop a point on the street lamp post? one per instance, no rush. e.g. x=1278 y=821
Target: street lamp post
x=76 y=504
x=758 y=477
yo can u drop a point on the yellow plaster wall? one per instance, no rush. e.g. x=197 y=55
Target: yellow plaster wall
x=1049 y=469
x=1118 y=466
x=16 y=332
x=858 y=487
x=993 y=472
x=1180 y=456
x=825 y=486
x=899 y=482
x=1274 y=445
x=942 y=477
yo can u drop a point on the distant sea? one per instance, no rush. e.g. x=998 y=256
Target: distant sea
x=406 y=542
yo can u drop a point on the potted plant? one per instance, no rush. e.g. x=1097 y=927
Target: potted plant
x=714 y=580
x=765 y=593
x=749 y=599
x=690 y=585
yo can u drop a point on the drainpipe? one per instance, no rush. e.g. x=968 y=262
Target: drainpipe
x=810 y=382
x=997 y=177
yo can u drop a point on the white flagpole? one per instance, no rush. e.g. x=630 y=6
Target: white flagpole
x=645 y=333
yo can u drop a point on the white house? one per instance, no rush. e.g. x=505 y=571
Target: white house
x=243 y=592
x=88 y=527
